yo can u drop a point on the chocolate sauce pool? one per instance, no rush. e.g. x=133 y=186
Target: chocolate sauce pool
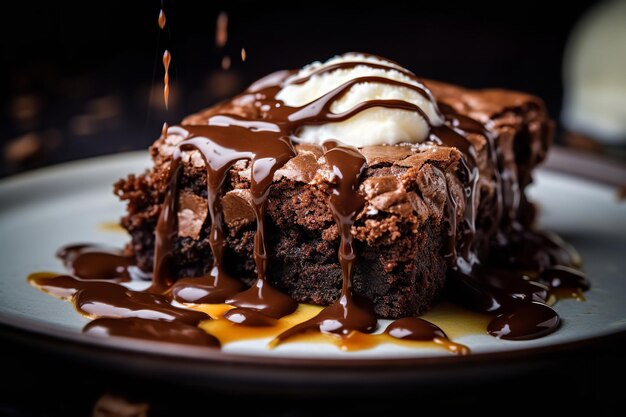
x=525 y=273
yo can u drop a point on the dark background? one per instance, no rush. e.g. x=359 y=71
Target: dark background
x=85 y=78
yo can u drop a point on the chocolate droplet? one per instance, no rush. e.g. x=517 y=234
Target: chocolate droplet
x=529 y=321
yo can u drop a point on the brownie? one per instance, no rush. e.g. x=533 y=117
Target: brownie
x=402 y=231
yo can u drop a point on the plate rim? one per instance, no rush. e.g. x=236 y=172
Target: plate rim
x=31 y=331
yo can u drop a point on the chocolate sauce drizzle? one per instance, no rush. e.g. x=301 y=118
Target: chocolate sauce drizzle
x=96 y=262
x=526 y=271
x=416 y=329
x=221 y=147
x=350 y=312
x=154 y=330
x=162 y=19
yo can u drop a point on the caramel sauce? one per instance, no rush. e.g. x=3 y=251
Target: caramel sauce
x=112 y=227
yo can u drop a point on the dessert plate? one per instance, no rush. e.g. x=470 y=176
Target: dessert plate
x=46 y=209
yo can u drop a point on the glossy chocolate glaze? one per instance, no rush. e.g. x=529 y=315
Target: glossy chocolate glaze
x=221 y=30
x=525 y=269
x=107 y=299
x=559 y=276
x=530 y=321
x=416 y=329
x=154 y=330
x=248 y=317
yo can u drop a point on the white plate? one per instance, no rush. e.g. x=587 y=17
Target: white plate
x=44 y=210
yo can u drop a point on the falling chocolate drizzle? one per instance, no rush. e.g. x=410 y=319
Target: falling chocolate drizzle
x=167 y=59
x=416 y=329
x=221 y=30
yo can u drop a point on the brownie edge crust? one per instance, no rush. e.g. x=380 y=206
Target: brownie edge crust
x=400 y=234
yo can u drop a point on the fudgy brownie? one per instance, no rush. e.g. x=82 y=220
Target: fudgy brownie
x=408 y=233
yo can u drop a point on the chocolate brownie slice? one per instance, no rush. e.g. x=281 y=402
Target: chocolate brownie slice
x=401 y=234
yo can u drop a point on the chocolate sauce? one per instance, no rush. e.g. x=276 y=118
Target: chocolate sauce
x=107 y=299
x=416 y=329
x=162 y=19
x=167 y=59
x=166 y=229
x=243 y=55
x=249 y=317
x=155 y=330
x=96 y=262
x=559 y=276
x=264 y=298
x=494 y=290
x=460 y=236
x=353 y=64
x=529 y=321
x=214 y=287
x=318 y=111
x=533 y=250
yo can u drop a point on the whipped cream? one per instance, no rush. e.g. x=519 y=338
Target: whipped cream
x=372 y=126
